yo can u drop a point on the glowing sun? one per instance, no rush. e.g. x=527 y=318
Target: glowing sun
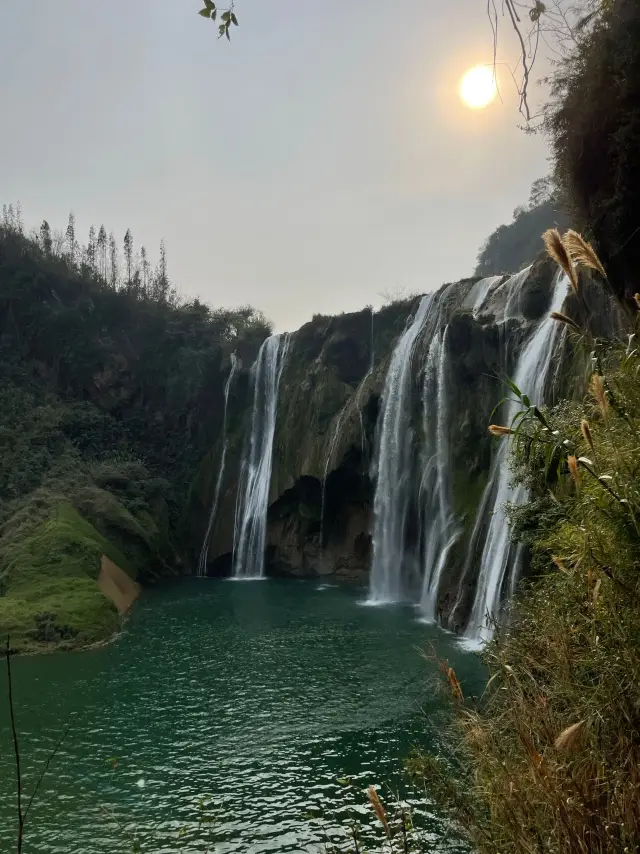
x=478 y=87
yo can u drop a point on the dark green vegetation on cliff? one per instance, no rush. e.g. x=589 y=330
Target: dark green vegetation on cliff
x=110 y=396
x=513 y=246
x=593 y=122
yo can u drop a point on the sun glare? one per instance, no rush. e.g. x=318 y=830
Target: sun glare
x=478 y=87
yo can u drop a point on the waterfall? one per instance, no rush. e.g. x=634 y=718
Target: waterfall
x=440 y=529
x=514 y=289
x=394 y=474
x=479 y=292
x=332 y=446
x=202 y=560
x=255 y=476
x=530 y=377
x=511 y=286
x=337 y=430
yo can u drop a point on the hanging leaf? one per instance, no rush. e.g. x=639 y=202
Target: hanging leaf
x=206 y=13
x=538 y=10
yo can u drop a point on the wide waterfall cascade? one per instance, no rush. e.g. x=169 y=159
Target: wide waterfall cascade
x=394 y=473
x=255 y=476
x=498 y=559
x=202 y=560
x=440 y=530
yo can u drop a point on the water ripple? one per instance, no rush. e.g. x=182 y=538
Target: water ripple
x=223 y=719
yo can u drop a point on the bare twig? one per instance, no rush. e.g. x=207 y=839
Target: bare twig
x=23 y=813
x=515 y=20
x=50 y=758
x=16 y=747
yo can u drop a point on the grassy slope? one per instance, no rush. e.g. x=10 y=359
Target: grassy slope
x=51 y=577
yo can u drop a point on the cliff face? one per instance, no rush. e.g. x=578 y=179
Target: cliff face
x=327 y=430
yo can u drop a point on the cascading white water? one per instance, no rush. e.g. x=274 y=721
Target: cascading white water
x=202 y=560
x=440 y=530
x=394 y=473
x=513 y=286
x=497 y=559
x=479 y=293
x=255 y=476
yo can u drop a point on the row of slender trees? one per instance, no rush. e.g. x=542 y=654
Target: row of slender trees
x=129 y=270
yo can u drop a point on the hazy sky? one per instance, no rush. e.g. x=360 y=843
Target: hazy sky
x=319 y=159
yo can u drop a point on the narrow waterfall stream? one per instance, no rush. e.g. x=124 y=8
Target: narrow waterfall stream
x=255 y=475
x=343 y=416
x=202 y=560
x=394 y=466
x=480 y=292
x=513 y=286
x=332 y=446
x=499 y=559
x=440 y=530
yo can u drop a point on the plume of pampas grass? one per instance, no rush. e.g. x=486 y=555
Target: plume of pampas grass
x=582 y=252
x=586 y=432
x=563 y=318
x=560 y=564
x=558 y=251
x=596 y=592
x=572 y=462
x=499 y=430
x=569 y=738
x=597 y=389
x=456 y=688
x=379 y=809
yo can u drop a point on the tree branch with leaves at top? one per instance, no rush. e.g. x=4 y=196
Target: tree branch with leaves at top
x=227 y=18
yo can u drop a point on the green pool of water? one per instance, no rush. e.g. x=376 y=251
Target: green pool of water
x=225 y=719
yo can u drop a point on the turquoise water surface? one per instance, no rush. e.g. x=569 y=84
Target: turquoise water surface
x=226 y=718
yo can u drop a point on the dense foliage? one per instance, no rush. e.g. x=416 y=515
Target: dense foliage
x=594 y=125
x=111 y=393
